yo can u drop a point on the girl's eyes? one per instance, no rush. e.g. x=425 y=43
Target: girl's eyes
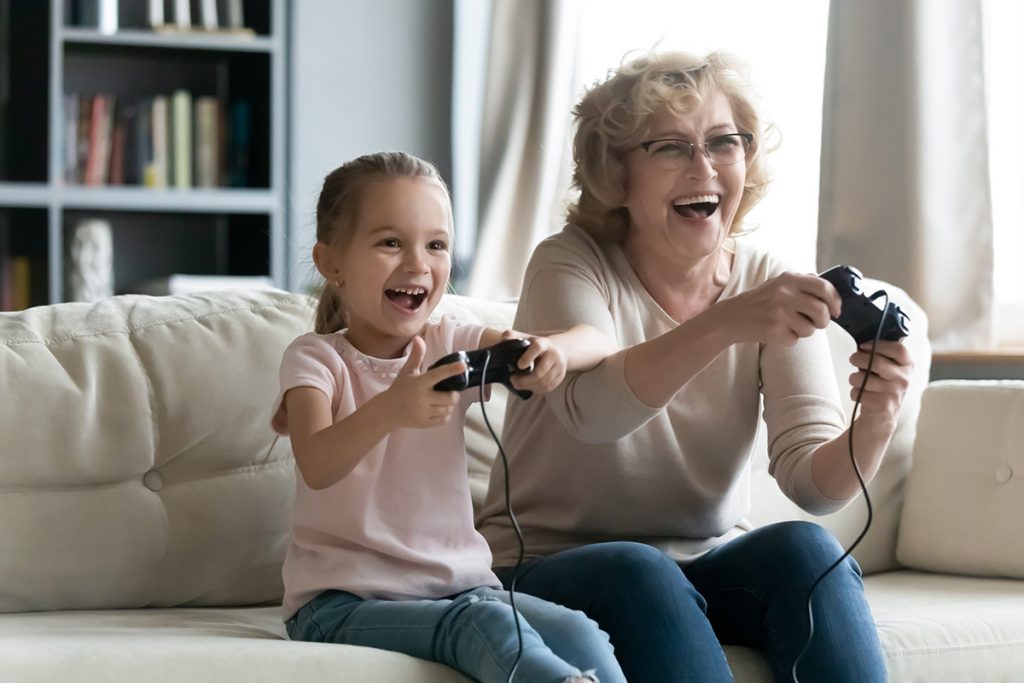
x=433 y=245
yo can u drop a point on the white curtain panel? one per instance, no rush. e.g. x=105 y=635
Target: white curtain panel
x=904 y=175
x=524 y=130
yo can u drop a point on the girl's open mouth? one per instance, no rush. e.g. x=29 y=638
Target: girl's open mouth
x=409 y=298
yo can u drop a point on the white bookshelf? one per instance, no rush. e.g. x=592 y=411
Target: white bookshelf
x=218 y=231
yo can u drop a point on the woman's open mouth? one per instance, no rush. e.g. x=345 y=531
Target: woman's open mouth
x=698 y=206
x=409 y=298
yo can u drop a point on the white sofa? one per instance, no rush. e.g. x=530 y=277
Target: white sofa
x=144 y=504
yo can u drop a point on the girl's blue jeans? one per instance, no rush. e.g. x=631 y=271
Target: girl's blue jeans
x=472 y=632
x=667 y=623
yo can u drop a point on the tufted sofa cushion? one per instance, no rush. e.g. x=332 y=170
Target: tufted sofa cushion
x=131 y=471
x=965 y=500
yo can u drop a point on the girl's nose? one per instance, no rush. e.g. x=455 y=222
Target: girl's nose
x=414 y=261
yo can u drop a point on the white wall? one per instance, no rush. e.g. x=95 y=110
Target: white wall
x=364 y=76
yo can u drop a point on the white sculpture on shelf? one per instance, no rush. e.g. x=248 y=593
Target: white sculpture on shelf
x=91 y=265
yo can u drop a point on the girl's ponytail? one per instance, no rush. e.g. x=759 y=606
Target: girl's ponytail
x=330 y=310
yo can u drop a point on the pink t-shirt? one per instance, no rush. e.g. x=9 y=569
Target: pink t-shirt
x=400 y=525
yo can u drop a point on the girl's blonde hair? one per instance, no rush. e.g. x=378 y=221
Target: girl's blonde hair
x=614 y=117
x=337 y=214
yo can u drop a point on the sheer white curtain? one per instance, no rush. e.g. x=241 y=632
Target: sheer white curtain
x=513 y=106
x=1004 y=62
x=783 y=44
x=522 y=64
x=904 y=178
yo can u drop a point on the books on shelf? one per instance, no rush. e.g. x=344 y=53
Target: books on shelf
x=15 y=274
x=197 y=15
x=183 y=14
x=99 y=14
x=185 y=284
x=181 y=140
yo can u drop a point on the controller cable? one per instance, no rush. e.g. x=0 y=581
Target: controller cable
x=860 y=480
x=512 y=518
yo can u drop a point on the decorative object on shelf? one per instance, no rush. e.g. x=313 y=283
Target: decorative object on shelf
x=99 y=14
x=91 y=265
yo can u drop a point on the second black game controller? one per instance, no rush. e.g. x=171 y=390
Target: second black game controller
x=861 y=316
x=502 y=363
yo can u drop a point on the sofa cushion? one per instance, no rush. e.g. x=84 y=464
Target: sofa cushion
x=965 y=495
x=948 y=628
x=199 y=645
x=134 y=432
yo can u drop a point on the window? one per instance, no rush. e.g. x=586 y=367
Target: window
x=1004 y=62
x=788 y=75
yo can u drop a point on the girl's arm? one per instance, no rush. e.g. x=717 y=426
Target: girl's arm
x=327 y=451
x=553 y=354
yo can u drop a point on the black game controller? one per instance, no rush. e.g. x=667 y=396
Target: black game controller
x=861 y=316
x=501 y=359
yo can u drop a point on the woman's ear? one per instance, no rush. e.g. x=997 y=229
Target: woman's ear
x=326 y=263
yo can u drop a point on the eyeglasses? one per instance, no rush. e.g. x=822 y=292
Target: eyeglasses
x=721 y=150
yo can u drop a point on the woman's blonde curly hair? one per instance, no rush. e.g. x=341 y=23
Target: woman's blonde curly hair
x=614 y=117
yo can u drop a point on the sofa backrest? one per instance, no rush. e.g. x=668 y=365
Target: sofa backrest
x=134 y=432
x=138 y=468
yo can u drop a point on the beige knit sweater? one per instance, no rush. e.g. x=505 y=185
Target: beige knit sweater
x=590 y=462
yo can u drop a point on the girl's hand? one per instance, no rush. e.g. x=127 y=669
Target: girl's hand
x=412 y=400
x=782 y=310
x=549 y=363
x=889 y=379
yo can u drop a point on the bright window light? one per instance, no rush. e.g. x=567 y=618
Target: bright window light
x=1004 y=62
x=786 y=56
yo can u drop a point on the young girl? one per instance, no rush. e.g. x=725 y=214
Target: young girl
x=383 y=551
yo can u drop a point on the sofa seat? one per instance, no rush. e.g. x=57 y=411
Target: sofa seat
x=934 y=627
x=938 y=627
x=189 y=644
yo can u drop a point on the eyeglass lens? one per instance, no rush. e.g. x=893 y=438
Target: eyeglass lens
x=721 y=150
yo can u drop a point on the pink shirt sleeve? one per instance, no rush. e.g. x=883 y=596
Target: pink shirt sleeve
x=309 y=361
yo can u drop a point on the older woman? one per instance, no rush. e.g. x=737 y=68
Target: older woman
x=631 y=481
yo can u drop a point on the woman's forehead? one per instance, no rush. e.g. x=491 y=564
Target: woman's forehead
x=705 y=114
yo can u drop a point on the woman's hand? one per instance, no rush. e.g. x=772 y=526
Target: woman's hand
x=782 y=310
x=412 y=402
x=887 y=384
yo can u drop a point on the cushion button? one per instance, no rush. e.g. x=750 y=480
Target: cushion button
x=152 y=480
x=1004 y=473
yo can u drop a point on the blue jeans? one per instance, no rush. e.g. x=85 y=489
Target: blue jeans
x=472 y=632
x=667 y=623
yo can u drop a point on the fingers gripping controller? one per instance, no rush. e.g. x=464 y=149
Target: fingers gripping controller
x=501 y=361
x=861 y=316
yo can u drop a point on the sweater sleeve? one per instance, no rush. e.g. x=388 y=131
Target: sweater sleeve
x=801 y=411
x=572 y=284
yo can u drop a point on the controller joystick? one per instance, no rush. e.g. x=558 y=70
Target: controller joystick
x=501 y=360
x=860 y=315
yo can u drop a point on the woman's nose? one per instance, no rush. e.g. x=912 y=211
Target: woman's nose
x=700 y=166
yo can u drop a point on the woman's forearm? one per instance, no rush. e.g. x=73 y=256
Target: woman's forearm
x=831 y=469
